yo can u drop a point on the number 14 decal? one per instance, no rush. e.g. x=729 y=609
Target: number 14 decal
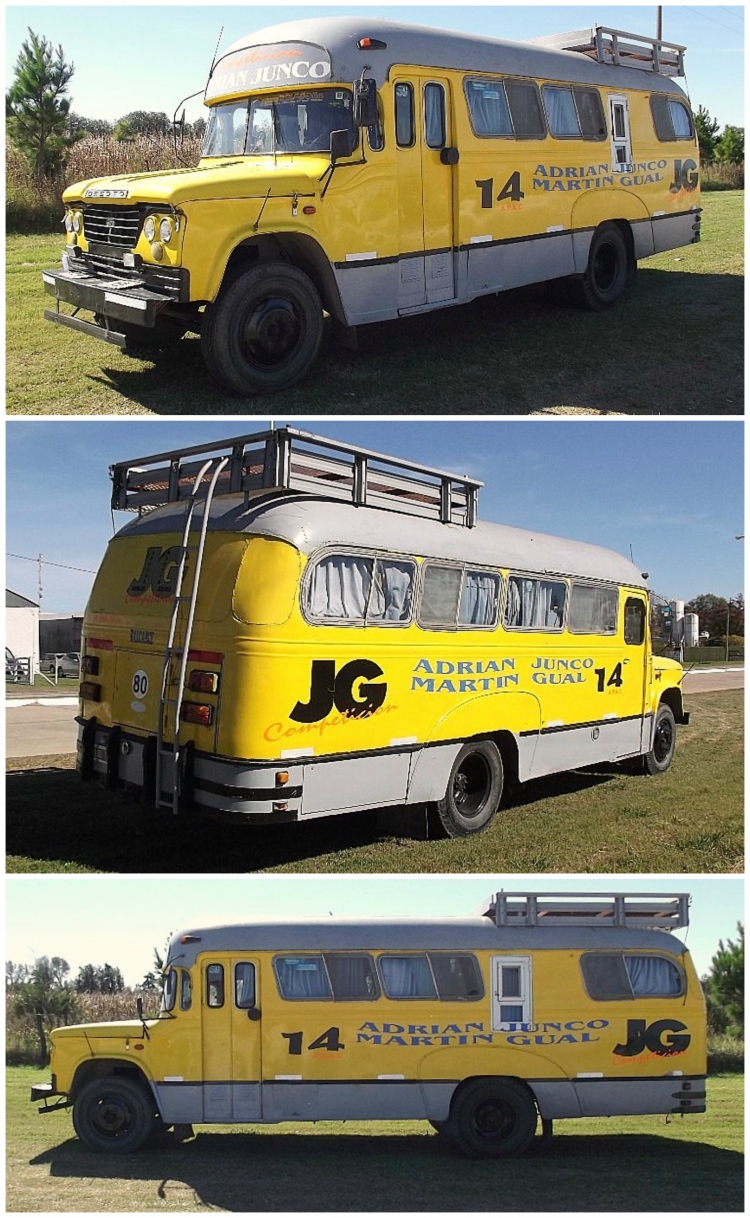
x=615 y=677
x=511 y=190
x=327 y=1040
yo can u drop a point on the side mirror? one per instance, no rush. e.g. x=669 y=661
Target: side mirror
x=365 y=102
x=139 y=1007
x=343 y=144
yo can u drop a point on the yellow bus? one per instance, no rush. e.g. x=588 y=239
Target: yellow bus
x=293 y=627
x=541 y=1006
x=372 y=170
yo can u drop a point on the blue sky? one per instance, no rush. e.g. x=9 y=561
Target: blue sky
x=671 y=489
x=148 y=57
x=51 y=915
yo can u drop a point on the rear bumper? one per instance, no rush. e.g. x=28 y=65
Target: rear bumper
x=136 y=299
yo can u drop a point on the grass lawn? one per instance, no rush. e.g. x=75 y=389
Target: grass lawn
x=597 y=820
x=622 y=1164
x=674 y=346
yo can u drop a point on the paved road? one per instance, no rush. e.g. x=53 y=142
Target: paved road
x=49 y=726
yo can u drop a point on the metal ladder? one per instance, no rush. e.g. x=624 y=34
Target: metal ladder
x=179 y=634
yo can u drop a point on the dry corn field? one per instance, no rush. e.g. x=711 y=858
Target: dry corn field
x=98 y=157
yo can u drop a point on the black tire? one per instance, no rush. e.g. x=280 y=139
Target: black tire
x=263 y=331
x=114 y=1115
x=493 y=1119
x=474 y=791
x=60 y=673
x=660 y=757
x=609 y=272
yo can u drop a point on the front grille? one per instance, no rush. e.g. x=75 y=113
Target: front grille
x=114 y=226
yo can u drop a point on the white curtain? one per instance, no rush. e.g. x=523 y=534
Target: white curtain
x=302 y=977
x=479 y=599
x=340 y=587
x=653 y=975
x=561 y=111
x=535 y=604
x=392 y=591
x=407 y=977
x=593 y=610
x=244 y=986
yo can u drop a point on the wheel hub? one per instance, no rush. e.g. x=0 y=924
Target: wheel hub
x=493 y=1120
x=272 y=331
x=112 y=1118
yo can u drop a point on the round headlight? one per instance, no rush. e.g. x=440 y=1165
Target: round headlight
x=68 y=222
x=165 y=231
x=157 y=251
x=77 y=222
x=149 y=228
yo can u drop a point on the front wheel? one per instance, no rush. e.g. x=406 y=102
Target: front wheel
x=263 y=331
x=660 y=757
x=474 y=790
x=609 y=271
x=113 y=1115
x=493 y=1119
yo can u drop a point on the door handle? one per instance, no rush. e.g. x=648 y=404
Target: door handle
x=254 y=1014
x=449 y=156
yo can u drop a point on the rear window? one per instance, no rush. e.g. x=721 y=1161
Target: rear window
x=672 y=119
x=615 y=976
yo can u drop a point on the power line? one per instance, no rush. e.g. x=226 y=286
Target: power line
x=48 y=563
x=691 y=9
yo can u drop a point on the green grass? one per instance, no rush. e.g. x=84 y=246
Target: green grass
x=674 y=346
x=622 y=1164
x=597 y=820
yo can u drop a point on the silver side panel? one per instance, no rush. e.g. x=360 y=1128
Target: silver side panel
x=360 y=782
x=429 y=773
x=556 y=1099
x=567 y=750
x=627 y=1097
x=496 y=268
x=371 y=292
x=179 y=1103
x=227 y=1103
x=670 y=232
x=643 y=239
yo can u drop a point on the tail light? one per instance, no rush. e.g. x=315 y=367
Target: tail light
x=203 y=682
x=90 y=691
x=194 y=712
x=205 y=657
x=90 y=666
x=100 y=644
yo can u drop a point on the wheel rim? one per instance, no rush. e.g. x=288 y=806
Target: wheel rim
x=606 y=267
x=272 y=332
x=112 y=1117
x=494 y=1121
x=663 y=738
x=471 y=786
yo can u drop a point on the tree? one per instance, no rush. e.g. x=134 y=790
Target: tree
x=712 y=616
x=731 y=147
x=725 y=987
x=36 y=108
x=89 y=126
x=142 y=122
x=199 y=128
x=707 y=130
x=46 y=998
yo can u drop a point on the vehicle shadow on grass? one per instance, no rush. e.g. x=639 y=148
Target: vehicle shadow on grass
x=52 y=817
x=271 y=1172
x=521 y=351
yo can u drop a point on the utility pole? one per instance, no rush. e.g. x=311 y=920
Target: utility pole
x=40 y=593
x=659 y=21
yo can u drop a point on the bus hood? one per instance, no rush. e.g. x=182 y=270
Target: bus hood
x=672 y=668
x=214 y=178
x=121 y=1030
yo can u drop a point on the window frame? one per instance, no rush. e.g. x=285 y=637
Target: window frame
x=667 y=99
x=634 y=600
x=356 y=623
x=186 y=981
x=561 y=88
x=632 y=996
x=427 y=954
x=526 y=81
x=412 y=96
x=593 y=139
x=526 y=1002
x=322 y=956
x=556 y=579
x=500 y=84
x=215 y=1006
x=464 y=568
x=580 y=583
x=435 y=84
x=245 y=964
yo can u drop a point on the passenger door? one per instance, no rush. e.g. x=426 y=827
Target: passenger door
x=231 y=1039
x=423 y=128
x=619 y=128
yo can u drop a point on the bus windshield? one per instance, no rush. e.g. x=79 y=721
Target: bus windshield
x=282 y=123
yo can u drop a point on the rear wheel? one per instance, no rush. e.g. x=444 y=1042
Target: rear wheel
x=609 y=270
x=493 y=1119
x=114 y=1115
x=474 y=790
x=660 y=757
x=263 y=331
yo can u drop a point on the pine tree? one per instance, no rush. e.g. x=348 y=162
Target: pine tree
x=36 y=108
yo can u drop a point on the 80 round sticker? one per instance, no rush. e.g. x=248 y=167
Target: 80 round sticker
x=140 y=683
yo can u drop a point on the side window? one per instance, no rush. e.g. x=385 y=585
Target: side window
x=534 y=604
x=434 y=116
x=525 y=109
x=354 y=588
x=441 y=587
x=512 y=991
x=592 y=610
x=616 y=976
x=480 y=597
x=169 y=993
x=404 y=107
x=562 y=115
x=407 y=977
x=662 y=117
x=488 y=108
x=590 y=114
x=351 y=976
x=186 y=990
x=672 y=119
x=682 y=120
x=302 y=977
x=244 y=985
x=215 y=985
x=635 y=621
x=457 y=977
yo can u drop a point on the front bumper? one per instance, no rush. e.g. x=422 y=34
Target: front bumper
x=42 y=1093
x=136 y=299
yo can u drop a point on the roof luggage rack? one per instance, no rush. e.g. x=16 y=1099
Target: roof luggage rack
x=641 y=909
x=606 y=45
x=286 y=459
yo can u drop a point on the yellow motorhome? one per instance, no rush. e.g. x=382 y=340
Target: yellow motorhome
x=542 y=1006
x=293 y=627
x=373 y=170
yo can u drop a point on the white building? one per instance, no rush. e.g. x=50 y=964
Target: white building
x=22 y=627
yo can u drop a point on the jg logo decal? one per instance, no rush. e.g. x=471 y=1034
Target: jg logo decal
x=350 y=690
x=664 y=1037
x=159 y=574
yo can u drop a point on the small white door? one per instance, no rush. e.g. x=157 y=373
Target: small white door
x=511 y=992
x=619 y=128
